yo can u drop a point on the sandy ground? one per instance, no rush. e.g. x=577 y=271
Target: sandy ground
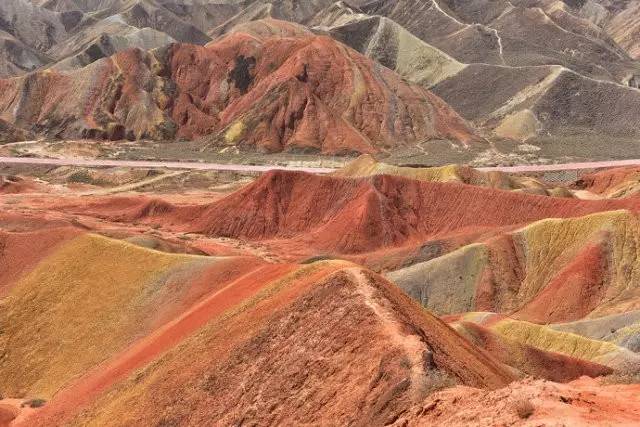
x=584 y=402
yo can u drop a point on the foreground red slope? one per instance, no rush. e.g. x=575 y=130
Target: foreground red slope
x=324 y=342
x=584 y=402
x=205 y=338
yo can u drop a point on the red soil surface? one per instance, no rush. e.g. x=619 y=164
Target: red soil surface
x=7 y=414
x=158 y=342
x=224 y=273
x=359 y=215
x=451 y=352
x=533 y=361
x=584 y=402
x=508 y=270
x=16 y=185
x=574 y=292
x=31 y=219
x=337 y=343
x=118 y=208
x=14 y=411
x=20 y=252
x=602 y=181
x=331 y=341
x=294 y=93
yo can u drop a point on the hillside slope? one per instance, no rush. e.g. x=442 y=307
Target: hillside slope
x=272 y=94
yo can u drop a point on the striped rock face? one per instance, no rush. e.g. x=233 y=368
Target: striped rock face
x=105 y=294
x=366 y=166
x=550 y=271
x=611 y=183
x=533 y=347
x=270 y=93
x=125 y=308
x=572 y=260
x=262 y=304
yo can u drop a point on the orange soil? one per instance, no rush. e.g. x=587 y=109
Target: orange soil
x=222 y=274
x=584 y=402
x=324 y=343
x=573 y=293
x=602 y=181
x=116 y=208
x=17 y=185
x=530 y=360
x=7 y=414
x=20 y=252
x=352 y=216
x=161 y=340
x=381 y=221
x=451 y=352
x=14 y=411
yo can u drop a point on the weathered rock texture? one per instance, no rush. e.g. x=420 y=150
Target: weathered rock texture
x=271 y=93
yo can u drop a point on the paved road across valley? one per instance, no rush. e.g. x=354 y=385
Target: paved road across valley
x=157 y=164
x=266 y=168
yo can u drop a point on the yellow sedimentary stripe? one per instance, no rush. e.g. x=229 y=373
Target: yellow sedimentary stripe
x=367 y=166
x=545 y=338
x=551 y=243
x=77 y=307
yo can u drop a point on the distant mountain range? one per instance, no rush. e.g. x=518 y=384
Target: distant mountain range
x=519 y=70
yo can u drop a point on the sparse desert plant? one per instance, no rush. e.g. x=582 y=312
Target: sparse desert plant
x=83 y=177
x=168 y=422
x=317 y=258
x=524 y=408
x=35 y=403
x=437 y=380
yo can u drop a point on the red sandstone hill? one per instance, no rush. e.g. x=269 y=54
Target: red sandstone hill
x=322 y=344
x=131 y=329
x=356 y=215
x=611 y=183
x=272 y=93
x=327 y=342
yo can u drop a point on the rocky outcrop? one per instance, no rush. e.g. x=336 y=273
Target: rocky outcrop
x=270 y=93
